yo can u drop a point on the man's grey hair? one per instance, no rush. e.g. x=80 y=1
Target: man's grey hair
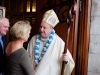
x=2 y=18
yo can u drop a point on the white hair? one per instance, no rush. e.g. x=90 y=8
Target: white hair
x=3 y=18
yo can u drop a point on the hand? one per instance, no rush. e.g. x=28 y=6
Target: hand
x=65 y=57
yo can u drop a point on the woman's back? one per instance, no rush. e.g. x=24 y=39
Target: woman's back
x=18 y=60
x=19 y=63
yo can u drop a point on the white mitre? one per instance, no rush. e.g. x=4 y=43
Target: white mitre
x=50 y=17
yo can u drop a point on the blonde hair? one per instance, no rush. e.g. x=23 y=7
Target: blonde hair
x=20 y=29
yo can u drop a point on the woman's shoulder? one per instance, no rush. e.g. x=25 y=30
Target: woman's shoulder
x=22 y=50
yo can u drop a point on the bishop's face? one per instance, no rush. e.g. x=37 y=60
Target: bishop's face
x=45 y=29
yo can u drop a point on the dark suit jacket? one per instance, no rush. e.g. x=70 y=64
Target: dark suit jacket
x=3 y=57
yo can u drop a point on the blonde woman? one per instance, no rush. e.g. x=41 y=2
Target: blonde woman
x=18 y=61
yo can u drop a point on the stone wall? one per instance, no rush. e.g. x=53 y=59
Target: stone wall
x=94 y=47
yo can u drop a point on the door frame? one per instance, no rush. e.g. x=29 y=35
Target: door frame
x=83 y=38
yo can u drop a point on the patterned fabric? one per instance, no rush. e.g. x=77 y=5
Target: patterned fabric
x=1 y=42
x=38 y=55
x=51 y=18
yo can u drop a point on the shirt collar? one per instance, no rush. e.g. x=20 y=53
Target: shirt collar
x=0 y=37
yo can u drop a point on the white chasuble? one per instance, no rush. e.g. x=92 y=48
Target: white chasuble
x=51 y=62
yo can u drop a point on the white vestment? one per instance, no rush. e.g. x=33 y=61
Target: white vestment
x=51 y=62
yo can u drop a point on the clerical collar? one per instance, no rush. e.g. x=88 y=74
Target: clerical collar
x=44 y=39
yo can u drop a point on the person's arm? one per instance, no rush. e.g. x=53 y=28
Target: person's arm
x=26 y=64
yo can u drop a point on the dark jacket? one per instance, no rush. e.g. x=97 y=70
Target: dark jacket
x=3 y=57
